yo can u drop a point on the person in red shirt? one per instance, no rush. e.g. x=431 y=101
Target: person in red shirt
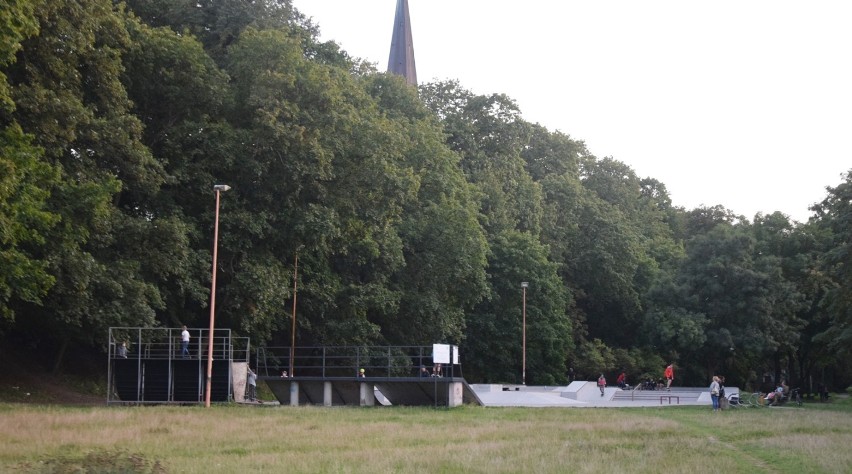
x=669 y=375
x=621 y=380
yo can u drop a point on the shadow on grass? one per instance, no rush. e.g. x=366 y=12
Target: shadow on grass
x=97 y=461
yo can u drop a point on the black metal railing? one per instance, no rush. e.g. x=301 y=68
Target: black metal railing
x=148 y=365
x=165 y=343
x=347 y=361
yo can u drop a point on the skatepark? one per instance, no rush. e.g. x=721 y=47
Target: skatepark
x=158 y=369
x=580 y=394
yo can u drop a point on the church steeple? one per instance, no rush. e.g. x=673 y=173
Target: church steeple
x=401 y=60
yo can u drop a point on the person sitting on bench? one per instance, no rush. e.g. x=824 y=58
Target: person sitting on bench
x=775 y=398
x=437 y=370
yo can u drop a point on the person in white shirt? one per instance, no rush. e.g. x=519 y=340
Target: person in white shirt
x=251 y=387
x=184 y=343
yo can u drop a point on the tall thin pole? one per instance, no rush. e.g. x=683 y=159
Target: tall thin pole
x=524 y=373
x=524 y=286
x=212 y=305
x=293 y=329
x=218 y=188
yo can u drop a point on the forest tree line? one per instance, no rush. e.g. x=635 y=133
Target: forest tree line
x=415 y=213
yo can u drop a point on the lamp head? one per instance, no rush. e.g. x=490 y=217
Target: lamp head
x=221 y=187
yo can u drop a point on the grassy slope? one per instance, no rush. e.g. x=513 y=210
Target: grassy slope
x=25 y=378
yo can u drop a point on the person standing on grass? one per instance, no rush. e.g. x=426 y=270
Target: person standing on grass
x=714 y=393
x=184 y=343
x=669 y=375
x=602 y=384
x=251 y=387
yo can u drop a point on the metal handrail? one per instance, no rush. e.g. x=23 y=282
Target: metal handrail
x=346 y=361
x=148 y=345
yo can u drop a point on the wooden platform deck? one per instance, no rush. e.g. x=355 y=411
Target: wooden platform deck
x=353 y=391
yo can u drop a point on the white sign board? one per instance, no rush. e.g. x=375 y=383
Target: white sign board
x=441 y=353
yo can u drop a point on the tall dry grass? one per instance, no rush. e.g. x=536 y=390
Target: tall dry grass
x=468 y=439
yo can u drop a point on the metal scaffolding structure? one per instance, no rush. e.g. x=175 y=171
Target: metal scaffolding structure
x=146 y=365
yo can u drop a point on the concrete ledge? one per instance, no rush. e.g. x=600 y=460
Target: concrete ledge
x=573 y=389
x=486 y=387
x=586 y=391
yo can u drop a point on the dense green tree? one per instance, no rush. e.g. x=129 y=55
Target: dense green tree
x=17 y=21
x=594 y=358
x=552 y=154
x=609 y=231
x=443 y=245
x=638 y=212
x=26 y=181
x=180 y=96
x=414 y=214
x=732 y=277
x=782 y=254
x=638 y=363
x=494 y=339
x=313 y=138
x=805 y=249
x=489 y=134
x=25 y=221
x=69 y=97
x=601 y=261
x=324 y=172
x=834 y=215
x=216 y=23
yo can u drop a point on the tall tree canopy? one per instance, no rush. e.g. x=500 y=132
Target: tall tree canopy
x=414 y=214
x=834 y=216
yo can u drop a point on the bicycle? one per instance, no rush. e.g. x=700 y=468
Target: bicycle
x=734 y=401
x=796 y=396
x=755 y=400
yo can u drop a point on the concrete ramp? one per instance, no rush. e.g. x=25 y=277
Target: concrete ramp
x=432 y=391
x=585 y=391
x=587 y=394
x=524 y=398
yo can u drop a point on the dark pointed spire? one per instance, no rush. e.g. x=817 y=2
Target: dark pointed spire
x=401 y=60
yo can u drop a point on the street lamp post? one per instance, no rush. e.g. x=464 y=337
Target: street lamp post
x=218 y=189
x=524 y=286
x=293 y=320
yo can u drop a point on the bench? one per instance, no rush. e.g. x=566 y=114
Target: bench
x=670 y=397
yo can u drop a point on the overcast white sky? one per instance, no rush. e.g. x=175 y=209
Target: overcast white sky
x=746 y=103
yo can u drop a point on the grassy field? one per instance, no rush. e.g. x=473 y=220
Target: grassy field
x=50 y=438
